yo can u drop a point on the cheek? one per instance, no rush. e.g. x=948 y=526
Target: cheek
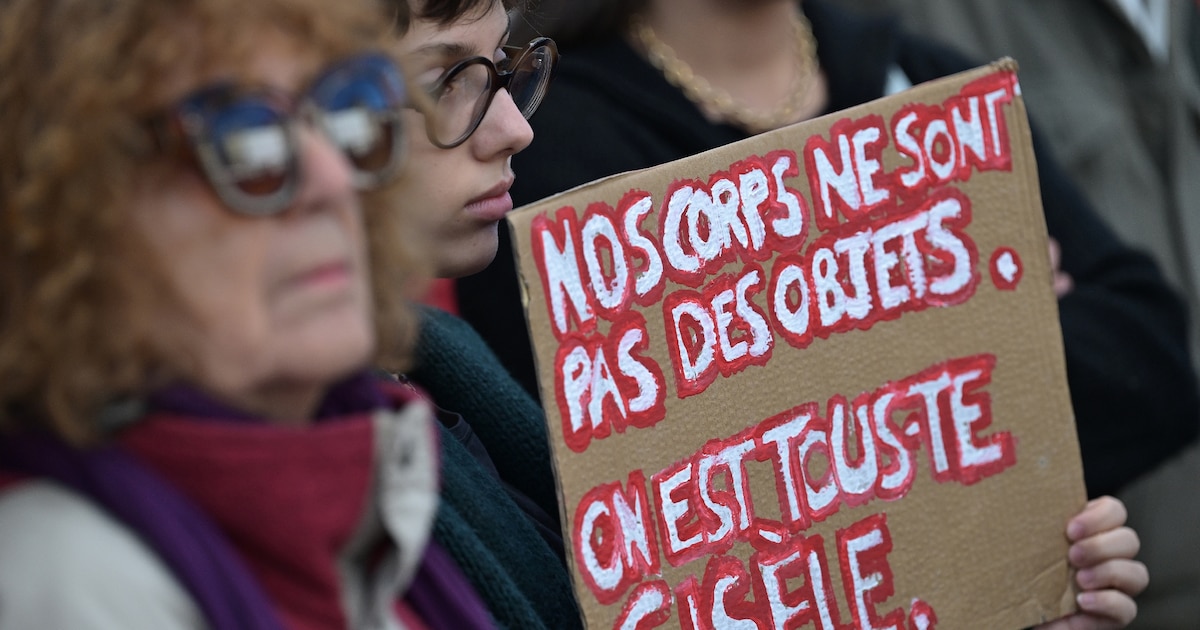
x=437 y=183
x=217 y=273
x=222 y=286
x=213 y=259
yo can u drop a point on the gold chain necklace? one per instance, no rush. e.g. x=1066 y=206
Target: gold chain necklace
x=719 y=102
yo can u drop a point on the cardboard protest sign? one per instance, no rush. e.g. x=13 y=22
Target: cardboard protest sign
x=815 y=378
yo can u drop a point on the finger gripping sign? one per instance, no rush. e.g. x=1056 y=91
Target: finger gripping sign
x=813 y=379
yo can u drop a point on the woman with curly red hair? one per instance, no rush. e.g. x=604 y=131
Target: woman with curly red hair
x=200 y=256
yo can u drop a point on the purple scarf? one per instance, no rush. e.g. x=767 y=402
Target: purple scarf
x=187 y=540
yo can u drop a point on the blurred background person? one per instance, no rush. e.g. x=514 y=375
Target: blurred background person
x=201 y=260
x=1116 y=84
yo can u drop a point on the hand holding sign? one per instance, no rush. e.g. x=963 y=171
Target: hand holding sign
x=1103 y=550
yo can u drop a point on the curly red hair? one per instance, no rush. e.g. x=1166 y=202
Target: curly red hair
x=79 y=286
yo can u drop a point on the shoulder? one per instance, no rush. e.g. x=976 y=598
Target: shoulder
x=452 y=360
x=925 y=59
x=65 y=563
x=446 y=337
x=860 y=48
x=436 y=322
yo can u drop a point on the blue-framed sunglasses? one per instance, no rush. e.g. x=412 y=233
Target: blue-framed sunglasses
x=245 y=142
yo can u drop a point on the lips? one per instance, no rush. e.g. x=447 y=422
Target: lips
x=332 y=275
x=492 y=205
x=327 y=271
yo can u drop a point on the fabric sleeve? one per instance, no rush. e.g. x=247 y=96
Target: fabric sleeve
x=66 y=564
x=1125 y=334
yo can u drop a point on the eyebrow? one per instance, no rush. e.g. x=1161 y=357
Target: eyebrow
x=446 y=50
x=456 y=50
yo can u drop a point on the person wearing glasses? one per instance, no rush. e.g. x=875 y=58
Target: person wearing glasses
x=650 y=81
x=201 y=260
x=484 y=90
x=499 y=516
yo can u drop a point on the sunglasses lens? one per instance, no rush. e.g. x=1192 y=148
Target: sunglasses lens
x=251 y=146
x=360 y=102
x=365 y=140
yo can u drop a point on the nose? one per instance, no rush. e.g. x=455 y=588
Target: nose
x=326 y=176
x=503 y=130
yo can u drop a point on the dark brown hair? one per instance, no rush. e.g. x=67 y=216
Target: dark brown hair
x=444 y=12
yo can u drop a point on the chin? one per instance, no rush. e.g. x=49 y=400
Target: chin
x=327 y=364
x=328 y=350
x=465 y=259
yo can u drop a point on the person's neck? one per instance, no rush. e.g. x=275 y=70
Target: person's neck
x=291 y=404
x=720 y=38
x=283 y=403
x=747 y=49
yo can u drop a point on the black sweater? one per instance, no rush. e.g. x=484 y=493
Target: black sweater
x=609 y=111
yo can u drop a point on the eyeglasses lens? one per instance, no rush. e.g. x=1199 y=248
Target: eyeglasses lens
x=530 y=80
x=464 y=94
x=461 y=101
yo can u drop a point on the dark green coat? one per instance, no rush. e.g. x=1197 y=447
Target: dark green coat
x=515 y=571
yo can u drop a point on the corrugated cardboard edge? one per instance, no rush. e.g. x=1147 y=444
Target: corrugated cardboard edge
x=1067 y=603
x=1030 y=610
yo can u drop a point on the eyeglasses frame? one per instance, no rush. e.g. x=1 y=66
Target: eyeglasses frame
x=499 y=80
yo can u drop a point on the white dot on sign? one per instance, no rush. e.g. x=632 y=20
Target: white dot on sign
x=912 y=429
x=921 y=616
x=1006 y=266
x=1006 y=269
